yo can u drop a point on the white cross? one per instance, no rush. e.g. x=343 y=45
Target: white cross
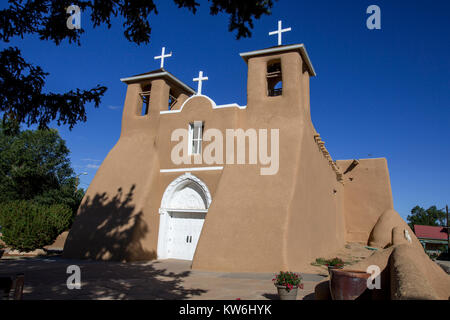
x=163 y=55
x=279 y=32
x=199 y=80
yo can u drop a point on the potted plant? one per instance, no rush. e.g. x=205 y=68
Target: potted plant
x=349 y=284
x=335 y=263
x=287 y=284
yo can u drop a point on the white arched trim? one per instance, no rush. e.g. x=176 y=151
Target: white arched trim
x=181 y=181
x=214 y=106
x=187 y=179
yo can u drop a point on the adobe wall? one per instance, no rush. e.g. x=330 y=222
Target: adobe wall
x=195 y=109
x=367 y=195
x=114 y=220
x=316 y=224
x=381 y=234
x=414 y=276
x=59 y=242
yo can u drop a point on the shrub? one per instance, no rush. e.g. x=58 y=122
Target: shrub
x=319 y=262
x=27 y=226
x=288 y=279
x=335 y=262
x=432 y=255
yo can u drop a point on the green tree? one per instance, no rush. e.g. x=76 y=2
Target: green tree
x=429 y=217
x=27 y=226
x=35 y=166
x=22 y=98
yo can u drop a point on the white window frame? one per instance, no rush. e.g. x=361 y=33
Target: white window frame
x=196 y=125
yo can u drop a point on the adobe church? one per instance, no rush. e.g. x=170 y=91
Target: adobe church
x=228 y=216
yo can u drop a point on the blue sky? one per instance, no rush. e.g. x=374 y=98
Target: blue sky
x=378 y=93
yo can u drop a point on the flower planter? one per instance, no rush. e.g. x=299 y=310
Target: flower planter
x=284 y=294
x=333 y=267
x=349 y=284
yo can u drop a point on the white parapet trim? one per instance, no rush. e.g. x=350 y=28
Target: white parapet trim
x=156 y=75
x=214 y=106
x=191 y=169
x=185 y=210
x=299 y=47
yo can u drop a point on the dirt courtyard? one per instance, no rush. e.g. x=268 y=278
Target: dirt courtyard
x=46 y=278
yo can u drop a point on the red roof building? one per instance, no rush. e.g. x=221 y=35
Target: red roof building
x=431 y=237
x=430 y=232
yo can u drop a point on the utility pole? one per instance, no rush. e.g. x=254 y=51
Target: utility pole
x=448 y=234
x=77 y=179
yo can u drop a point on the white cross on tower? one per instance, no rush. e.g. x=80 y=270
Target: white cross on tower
x=279 y=32
x=199 y=80
x=163 y=55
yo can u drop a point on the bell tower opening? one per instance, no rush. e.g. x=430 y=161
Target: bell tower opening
x=172 y=100
x=274 y=78
x=145 y=99
x=155 y=92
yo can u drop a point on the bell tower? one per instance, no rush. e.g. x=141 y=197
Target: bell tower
x=150 y=93
x=278 y=79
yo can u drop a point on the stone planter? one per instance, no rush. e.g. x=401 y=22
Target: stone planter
x=349 y=284
x=284 y=294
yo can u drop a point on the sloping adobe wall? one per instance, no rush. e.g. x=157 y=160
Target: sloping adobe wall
x=367 y=196
x=407 y=273
x=416 y=277
x=315 y=225
x=381 y=235
x=111 y=221
x=59 y=242
x=114 y=217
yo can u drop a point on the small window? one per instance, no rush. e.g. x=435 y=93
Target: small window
x=145 y=97
x=274 y=78
x=195 y=137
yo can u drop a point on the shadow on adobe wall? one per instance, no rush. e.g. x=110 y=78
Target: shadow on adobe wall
x=108 y=228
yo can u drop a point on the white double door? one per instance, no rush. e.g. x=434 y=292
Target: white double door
x=184 y=232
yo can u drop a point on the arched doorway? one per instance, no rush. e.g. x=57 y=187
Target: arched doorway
x=183 y=209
